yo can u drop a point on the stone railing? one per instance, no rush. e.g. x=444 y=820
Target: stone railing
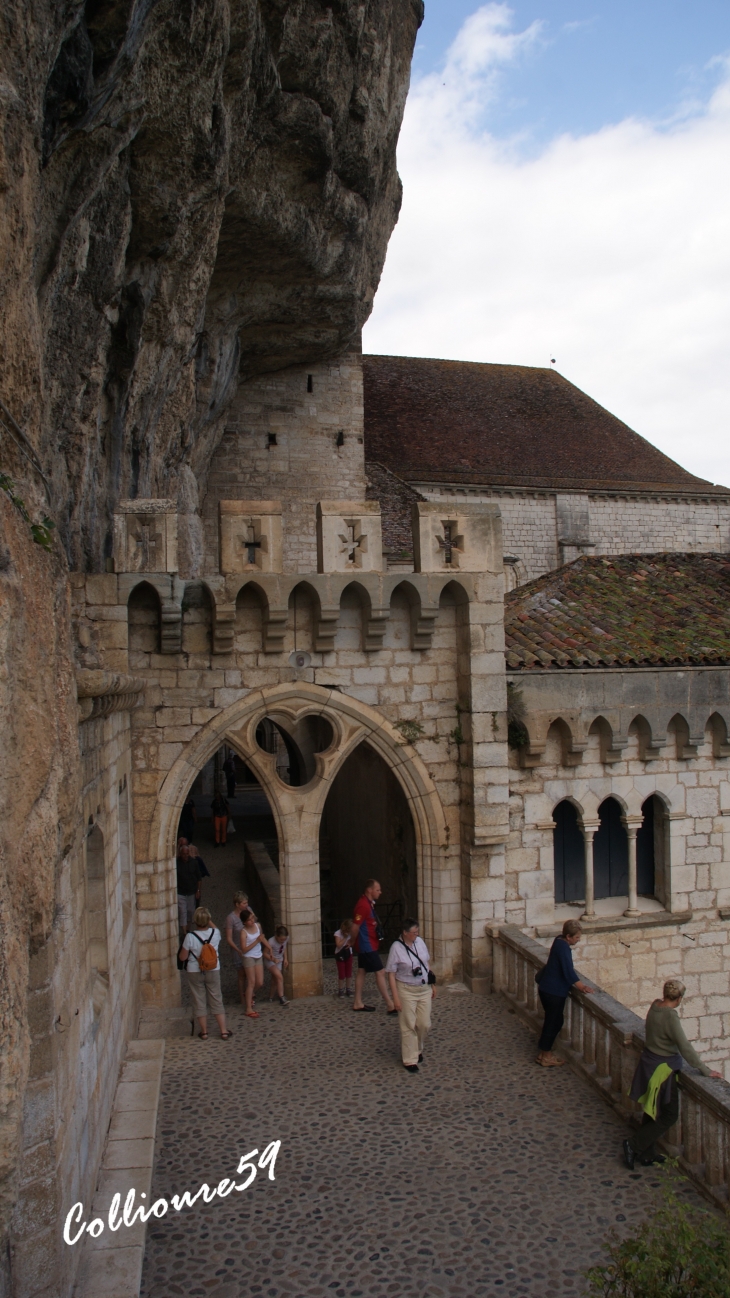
x=602 y=1041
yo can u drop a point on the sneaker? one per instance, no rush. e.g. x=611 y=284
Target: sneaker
x=411 y=1068
x=348 y=992
x=283 y=1000
x=629 y=1155
x=341 y=994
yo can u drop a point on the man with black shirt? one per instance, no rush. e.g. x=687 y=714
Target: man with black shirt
x=190 y=870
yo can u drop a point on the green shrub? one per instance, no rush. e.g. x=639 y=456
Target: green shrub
x=679 y=1252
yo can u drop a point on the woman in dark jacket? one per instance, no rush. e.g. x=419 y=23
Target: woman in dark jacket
x=555 y=981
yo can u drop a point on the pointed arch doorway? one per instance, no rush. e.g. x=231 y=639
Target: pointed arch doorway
x=299 y=710
x=366 y=831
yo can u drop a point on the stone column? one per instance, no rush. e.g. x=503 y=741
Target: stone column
x=631 y=831
x=589 y=832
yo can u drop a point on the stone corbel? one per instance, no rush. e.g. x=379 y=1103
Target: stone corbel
x=224 y=628
x=422 y=625
x=326 y=628
x=100 y=693
x=375 y=628
x=275 y=621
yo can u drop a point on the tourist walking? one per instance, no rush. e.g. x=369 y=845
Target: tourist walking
x=413 y=987
x=234 y=929
x=343 y=957
x=278 y=963
x=655 y=1085
x=367 y=935
x=219 y=807
x=253 y=945
x=555 y=981
x=199 y=954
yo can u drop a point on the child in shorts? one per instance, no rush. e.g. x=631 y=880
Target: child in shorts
x=278 y=963
x=343 y=957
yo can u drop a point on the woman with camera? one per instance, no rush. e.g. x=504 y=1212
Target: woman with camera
x=412 y=986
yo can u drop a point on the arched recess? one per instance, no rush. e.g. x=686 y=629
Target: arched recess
x=296 y=811
x=611 y=852
x=197 y=619
x=355 y=844
x=144 y=620
x=568 y=853
x=652 y=850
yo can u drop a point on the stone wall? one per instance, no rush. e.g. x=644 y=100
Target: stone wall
x=80 y=1016
x=647 y=524
x=631 y=958
x=303 y=464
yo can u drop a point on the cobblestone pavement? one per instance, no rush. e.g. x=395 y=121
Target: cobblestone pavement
x=483 y=1174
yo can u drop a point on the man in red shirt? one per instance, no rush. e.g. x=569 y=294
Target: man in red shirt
x=365 y=937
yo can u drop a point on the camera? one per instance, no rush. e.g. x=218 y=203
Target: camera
x=417 y=972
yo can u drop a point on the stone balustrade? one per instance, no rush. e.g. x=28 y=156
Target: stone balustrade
x=602 y=1041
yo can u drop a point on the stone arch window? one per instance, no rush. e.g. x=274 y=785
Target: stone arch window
x=652 y=850
x=125 y=856
x=294 y=746
x=568 y=854
x=611 y=852
x=96 y=916
x=144 y=618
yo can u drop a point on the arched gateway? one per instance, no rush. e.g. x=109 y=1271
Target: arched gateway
x=297 y=811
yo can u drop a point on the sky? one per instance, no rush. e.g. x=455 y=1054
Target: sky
x=566 y=171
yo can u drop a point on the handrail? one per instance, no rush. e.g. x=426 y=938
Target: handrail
x=602 y=1040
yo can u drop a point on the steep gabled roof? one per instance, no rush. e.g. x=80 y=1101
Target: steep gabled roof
x=505 y=425
x=625 y=611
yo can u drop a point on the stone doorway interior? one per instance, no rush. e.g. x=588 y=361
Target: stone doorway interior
x=366 y=831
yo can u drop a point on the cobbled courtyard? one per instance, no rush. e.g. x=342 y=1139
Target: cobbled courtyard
x=483 y=1174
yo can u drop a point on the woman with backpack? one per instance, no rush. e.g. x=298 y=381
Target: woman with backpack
x=199 y=955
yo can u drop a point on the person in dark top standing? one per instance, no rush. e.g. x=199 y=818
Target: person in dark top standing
x=219 y=807
x=188 y=818
x=555 y=981
x=189 y=874
x=229 y=769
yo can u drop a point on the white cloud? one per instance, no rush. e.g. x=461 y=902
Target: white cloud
x=609 y=251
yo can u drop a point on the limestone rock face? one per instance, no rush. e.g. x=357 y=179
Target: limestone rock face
x=191 y=191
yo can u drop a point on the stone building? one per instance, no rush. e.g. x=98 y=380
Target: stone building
x=272 y=546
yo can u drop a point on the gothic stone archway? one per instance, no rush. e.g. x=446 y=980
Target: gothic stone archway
x=297 y=812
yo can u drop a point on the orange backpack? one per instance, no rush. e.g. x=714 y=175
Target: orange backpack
x=207 y=957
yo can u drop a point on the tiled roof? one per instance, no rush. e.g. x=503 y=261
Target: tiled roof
x=505 y=425
x=396 y=500
x=626 y=611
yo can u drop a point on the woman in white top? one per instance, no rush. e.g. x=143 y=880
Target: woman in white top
x=253 y=944
x=204 y=983
x=412 y=987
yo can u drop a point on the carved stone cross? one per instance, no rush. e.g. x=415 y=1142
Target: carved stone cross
x=351 y=542
x=449 y=542
x=148 y=541
x=249 y=543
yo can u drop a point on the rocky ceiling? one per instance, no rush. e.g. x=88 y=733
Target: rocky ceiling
x=192 y=192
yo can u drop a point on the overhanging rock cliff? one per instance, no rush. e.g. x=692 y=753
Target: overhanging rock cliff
x=191 y=192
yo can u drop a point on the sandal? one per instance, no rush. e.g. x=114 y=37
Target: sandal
x=363 y=1009
x=251 y=1014
x=203 y=1036
x=225 y=1035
